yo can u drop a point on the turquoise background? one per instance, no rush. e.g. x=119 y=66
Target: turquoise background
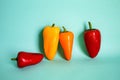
x=21 y=24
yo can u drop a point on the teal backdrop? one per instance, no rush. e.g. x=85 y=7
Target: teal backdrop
x=21 y=25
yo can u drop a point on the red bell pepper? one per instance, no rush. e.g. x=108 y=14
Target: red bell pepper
x=27 y=58
x=92 y=38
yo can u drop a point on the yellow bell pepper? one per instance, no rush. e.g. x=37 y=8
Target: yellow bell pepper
x=51 y=39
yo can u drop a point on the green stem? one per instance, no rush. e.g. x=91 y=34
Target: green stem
x=53 y=25
x=64 y=29
x=90 y=25
x=14 y=59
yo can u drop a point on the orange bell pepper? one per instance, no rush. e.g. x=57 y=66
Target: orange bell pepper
x=66 y=41
x=51 y=39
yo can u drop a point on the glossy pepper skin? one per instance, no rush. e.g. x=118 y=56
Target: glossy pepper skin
x=92 y=38
x=66 y=41
x=51 y=39
x=27 y=58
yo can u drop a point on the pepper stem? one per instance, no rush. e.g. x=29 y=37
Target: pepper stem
x=64 y=29
x=14 y=59
x=53 y=25
x=90 y=25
